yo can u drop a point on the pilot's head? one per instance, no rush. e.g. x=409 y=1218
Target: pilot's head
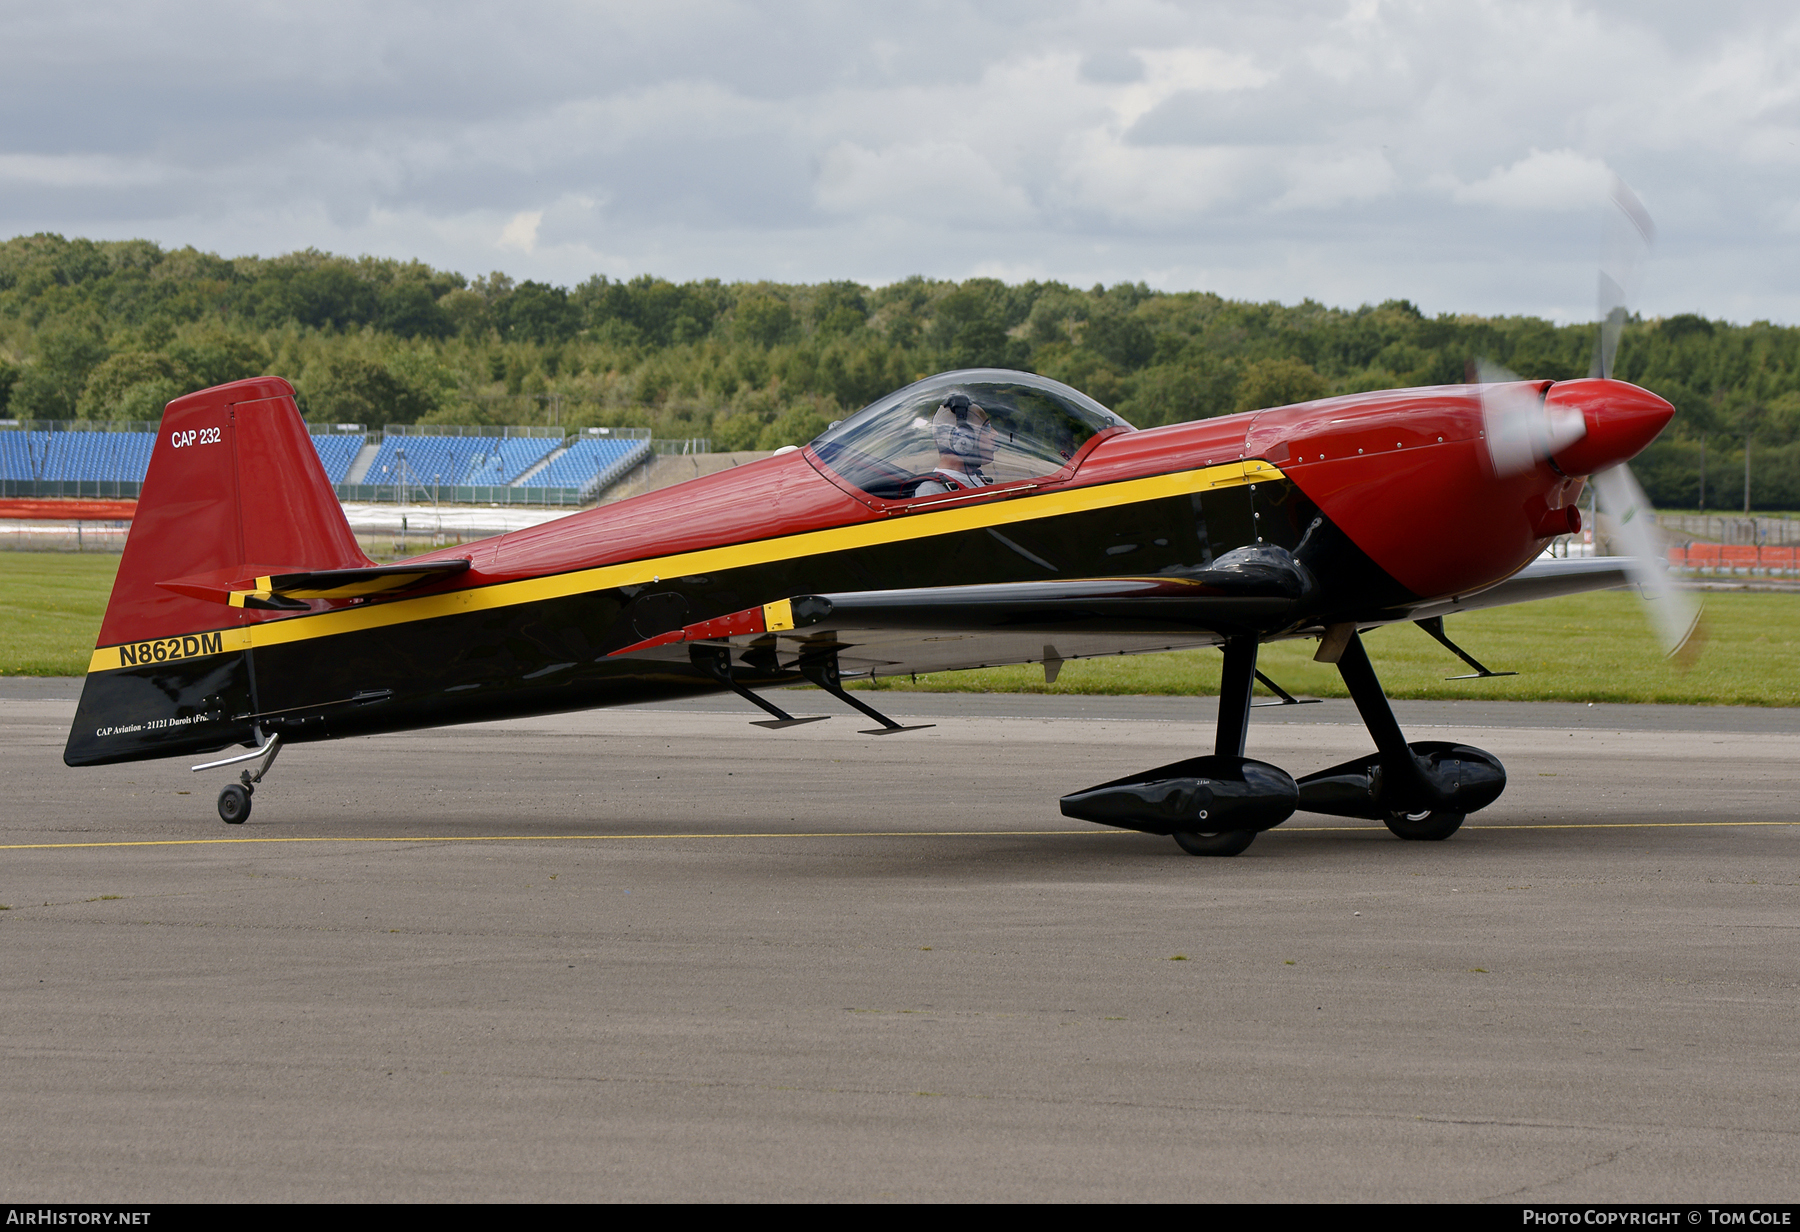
x=962 y=430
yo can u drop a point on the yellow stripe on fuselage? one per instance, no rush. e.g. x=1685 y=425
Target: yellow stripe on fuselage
x=741 y=555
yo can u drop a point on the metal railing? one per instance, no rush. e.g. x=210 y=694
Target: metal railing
x=414 y=493
x=503 y=431
x=77 y=425
x=146 y=425
x=1731 y=528
x=81 y=535
x=73 y=489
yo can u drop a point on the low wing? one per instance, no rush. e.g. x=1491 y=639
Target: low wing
x=1542 y=579
x=948 y=628
x=951 y=628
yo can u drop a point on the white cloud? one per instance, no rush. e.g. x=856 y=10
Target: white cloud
x=77 y=171
x=1557 y=180
x=1324 y=179
x=1331 y=149
x=1171 y=70
x=936 y=180
x=1156 y=185
x=521 y=231
x=1772 y=144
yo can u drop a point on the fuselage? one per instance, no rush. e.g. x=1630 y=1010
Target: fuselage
x=1386 y=498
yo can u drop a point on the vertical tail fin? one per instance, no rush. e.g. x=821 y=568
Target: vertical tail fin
x=234 y=485
x=235 y=490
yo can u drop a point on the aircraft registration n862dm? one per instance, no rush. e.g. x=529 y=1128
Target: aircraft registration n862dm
x=975 y=518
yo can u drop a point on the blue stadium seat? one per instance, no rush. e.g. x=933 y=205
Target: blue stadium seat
x=336 y=453
x=22 y=454
x=451 y=461
x=587 y=459
x=446 y=457
x=511 y=458
x=108 y=457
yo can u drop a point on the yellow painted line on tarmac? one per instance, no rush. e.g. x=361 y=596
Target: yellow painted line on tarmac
x=1630 y=825
x=551 y=838
x=1555 y=825
x=572 y=838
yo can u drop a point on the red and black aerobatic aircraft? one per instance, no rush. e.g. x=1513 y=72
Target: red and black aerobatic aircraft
x=975 y=518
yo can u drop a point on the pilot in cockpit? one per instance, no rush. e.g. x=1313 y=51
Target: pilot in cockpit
x=965 y=438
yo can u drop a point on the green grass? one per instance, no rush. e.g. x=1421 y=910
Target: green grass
x=1589 y=648
x=50 y=609
x=1593 y=648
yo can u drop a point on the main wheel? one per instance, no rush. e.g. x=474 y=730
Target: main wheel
x=234 y=804
x=1224 y=843
x=1425 y=826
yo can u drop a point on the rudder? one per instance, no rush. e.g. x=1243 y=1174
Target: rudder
x=234 y=490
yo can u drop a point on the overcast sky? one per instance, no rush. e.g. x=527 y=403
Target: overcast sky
x=1455 y=154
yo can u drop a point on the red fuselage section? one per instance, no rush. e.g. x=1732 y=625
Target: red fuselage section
x=1404 y=473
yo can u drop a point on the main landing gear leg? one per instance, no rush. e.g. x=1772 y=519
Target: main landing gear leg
x=1210 y=806
x=1421 y=790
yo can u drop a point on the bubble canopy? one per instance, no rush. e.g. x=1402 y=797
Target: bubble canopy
x=1030 y=426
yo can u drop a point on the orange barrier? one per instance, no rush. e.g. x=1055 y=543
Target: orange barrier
x=68 y=510
x=1734 y=556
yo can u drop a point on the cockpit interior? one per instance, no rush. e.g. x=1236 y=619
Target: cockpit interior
x=980 y=427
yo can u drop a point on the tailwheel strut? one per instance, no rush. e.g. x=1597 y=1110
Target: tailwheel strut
x=234 y=798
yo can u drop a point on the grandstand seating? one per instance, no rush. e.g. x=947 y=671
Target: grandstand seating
x=447 y=457
x=22 y=454
x=336 y=453
x=121 y=457
x=507 y=459
x=455 y=461
x=586 y=459
x=107 y=457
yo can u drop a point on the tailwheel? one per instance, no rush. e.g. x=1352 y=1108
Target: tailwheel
x=234 y=800
x=1425 y=825
x=1224 y=843
x=234 y=804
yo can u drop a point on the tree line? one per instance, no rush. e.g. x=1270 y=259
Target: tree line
x=113 y=329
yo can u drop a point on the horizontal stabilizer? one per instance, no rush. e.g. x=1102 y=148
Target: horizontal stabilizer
x=287 y=589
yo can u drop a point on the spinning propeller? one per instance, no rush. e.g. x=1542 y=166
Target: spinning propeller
x=1524 y=429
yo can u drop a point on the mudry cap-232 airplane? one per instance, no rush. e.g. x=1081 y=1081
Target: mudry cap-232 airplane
x=244 y=612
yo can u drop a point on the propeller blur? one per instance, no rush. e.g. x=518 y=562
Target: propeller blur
x=1527 y=429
